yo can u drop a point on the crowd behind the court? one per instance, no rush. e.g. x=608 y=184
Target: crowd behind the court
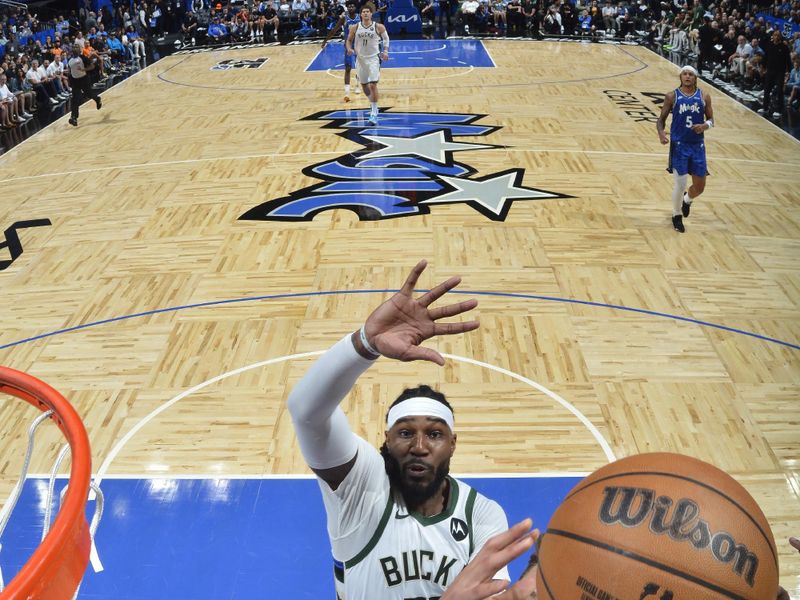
x=726 y=38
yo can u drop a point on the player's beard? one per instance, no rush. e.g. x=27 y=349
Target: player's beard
x=413 y=493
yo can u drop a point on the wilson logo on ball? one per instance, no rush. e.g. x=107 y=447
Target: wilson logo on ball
x=631 y=506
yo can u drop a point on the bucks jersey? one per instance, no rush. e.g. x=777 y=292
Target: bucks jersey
x=687 y=112
x=383 y=551
x=367 y=41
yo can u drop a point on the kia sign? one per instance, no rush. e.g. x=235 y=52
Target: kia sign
x=403 y=17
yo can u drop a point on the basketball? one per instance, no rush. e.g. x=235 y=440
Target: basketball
x=660 y=526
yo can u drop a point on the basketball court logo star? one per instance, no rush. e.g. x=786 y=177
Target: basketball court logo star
x=491 y=195
x=435 y=146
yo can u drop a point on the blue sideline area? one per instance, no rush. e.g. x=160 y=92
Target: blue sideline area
x=405 y=54
x=220 y=539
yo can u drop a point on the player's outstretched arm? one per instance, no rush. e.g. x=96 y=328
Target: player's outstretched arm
x=398 y=326
x=475 y=580
x=333 y=31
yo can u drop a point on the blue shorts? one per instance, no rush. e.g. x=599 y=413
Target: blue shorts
x=688 y=158
x=349 y=61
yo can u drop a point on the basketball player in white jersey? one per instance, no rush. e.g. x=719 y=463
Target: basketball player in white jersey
x=400 y=527
x=365 y=40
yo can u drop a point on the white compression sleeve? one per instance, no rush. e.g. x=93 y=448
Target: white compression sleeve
x=677 y=192
x=385 y=40
x=323 y=432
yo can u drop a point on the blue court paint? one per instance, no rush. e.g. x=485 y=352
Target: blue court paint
x=215 y=539
x=405 y=54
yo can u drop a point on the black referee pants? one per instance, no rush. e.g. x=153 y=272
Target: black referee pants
x=81 y=90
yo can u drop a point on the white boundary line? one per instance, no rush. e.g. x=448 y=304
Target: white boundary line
x=166 y=163
x=101 y=472
x=489 y=54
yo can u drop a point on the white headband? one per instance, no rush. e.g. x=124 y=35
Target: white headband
x=420 y=406
x=689 y=68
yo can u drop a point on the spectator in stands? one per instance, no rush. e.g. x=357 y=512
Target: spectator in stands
x=55 y=70
x=776 y=66
x=609 y=13
x=466 y=14
x=753 y=71
x=217 y=32
x=499 y=14
x=305 y=29
x=44 y=89
x=533 y=17
x=136 y=44
x=569 y=20
x=271 y=20
x=189 y=27
x=552 y=21
x=793 y=84
x=738 y=60
x=11 y=105
x=585 y=26
x=516 y=18
x=12 y=46
x=115 y=48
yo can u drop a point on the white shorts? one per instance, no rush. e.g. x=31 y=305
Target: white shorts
x=369 y=69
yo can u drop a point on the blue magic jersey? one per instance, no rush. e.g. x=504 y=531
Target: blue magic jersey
x=348 y=22
x=687 y=112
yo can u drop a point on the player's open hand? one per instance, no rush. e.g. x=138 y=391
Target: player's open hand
x=398 y=326
x=475 y=581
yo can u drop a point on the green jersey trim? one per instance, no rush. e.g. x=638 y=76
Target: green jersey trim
x=387 y=512
x=452 y=501
x=468 y=509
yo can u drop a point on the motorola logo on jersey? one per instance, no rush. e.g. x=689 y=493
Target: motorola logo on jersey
x=406 y=166
x=458 y=529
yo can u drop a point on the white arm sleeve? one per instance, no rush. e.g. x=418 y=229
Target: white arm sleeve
x=385 y=39
x=323 y=432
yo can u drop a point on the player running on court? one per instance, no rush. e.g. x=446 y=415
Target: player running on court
x=346 y=20
x=691 y=116
x=365 y=40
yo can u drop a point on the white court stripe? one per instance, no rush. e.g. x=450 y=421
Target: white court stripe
x=145 y=420
x=167 y=163
x=135 y=429
x=581 y=417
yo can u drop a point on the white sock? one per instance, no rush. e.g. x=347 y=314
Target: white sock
x=686 y=198
x=346 y=89
x=677 y=193
x=374 y=106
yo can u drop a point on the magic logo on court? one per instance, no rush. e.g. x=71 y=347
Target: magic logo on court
x=406 y=165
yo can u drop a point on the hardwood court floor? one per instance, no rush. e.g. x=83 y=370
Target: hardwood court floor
x=144 y=199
